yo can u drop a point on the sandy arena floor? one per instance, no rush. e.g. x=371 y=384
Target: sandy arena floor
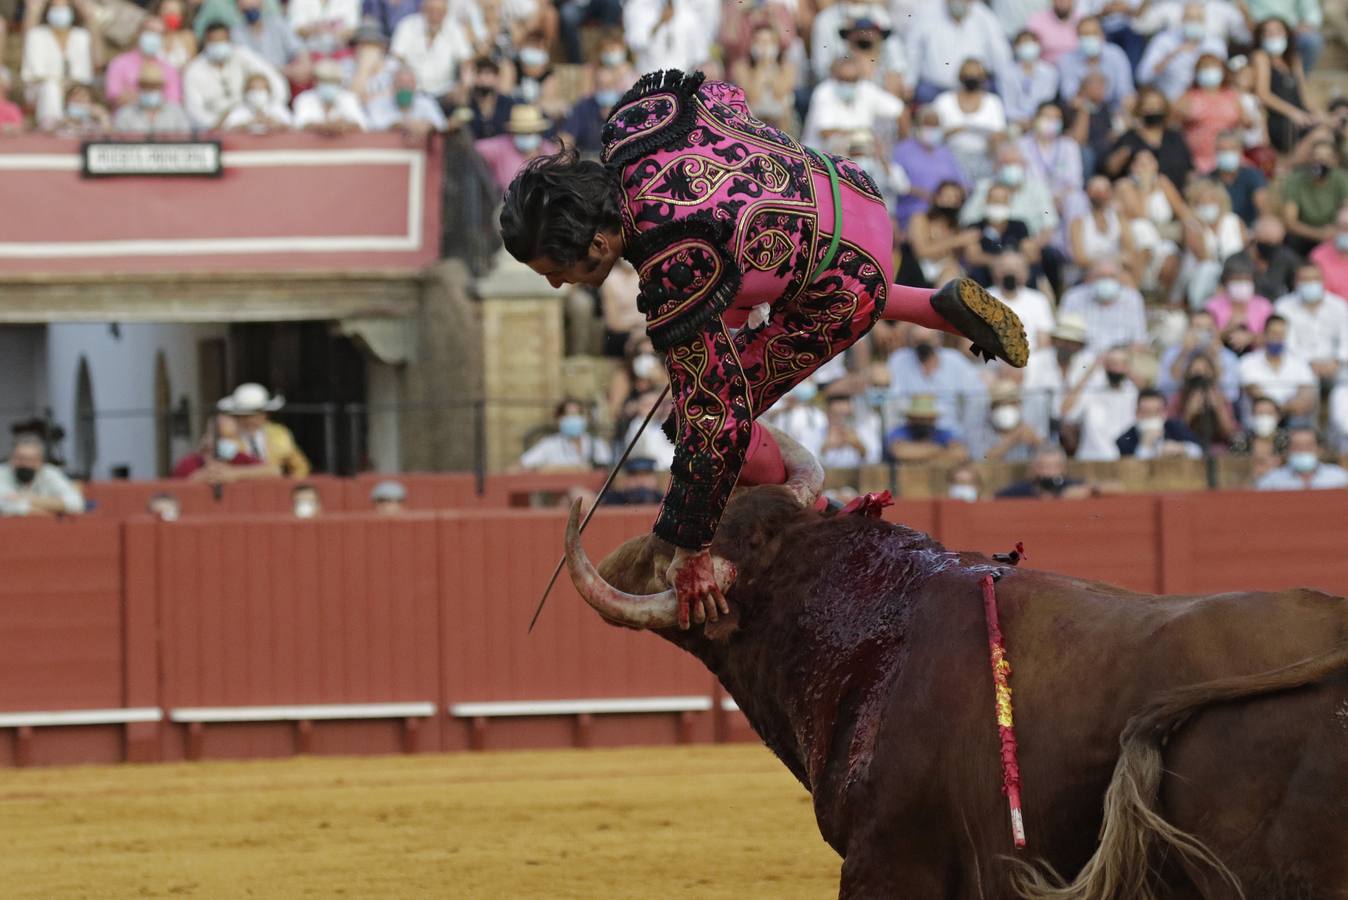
x=704 y=822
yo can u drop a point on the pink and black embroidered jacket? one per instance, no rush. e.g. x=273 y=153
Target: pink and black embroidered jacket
x=720 y=213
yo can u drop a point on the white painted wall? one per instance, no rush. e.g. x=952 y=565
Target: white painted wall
x=122 y=371
x=383 y=394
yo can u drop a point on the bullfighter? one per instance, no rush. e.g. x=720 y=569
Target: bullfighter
x=722 y=214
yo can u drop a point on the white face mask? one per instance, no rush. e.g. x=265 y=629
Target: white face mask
x=645 y=365
x=1151 y=426
x=966 y=492
x=1209 y=212
x=528 y=143
x=305 y=509
x=257 y=98
x=1264 y=424
x=1240 y=290
x=998 y=212
x=1005 y=417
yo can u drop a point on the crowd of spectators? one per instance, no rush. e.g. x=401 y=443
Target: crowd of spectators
x=1154 y=187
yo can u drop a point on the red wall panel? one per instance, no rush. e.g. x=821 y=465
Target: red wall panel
x=60 y=614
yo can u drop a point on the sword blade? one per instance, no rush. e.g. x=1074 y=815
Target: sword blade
x=600 y=496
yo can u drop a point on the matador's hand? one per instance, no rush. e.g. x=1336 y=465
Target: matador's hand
x=693 y=576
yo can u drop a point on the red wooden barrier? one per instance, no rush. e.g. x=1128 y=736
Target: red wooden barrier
x=252 y=610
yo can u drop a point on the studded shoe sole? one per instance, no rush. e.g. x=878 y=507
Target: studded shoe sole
x=994 y=327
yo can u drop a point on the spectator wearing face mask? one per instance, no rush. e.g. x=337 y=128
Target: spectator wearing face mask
x=1208 y=109
x=1274 y=371
x=650 y=442
x=1154 y=211
x=927 y=162
x=1056 y=28
x=963 y=483
x=1220 y=19
x=213 y=83
x=258 y=112
x=1100 y=409
x=388 y=498
x=408 y=110
x=1237 y=305
x=769 y=77
x=1304 y=469
x=585 y=123
x=800 y=418
x=570 y=447
x=433 y=45
x=999 y=233
x=641 y=375
x=1100 y=233
x=1028 y=83
x=1093 y=54
x=151 y=113
x=324 y=26
x=370 y=69
x=1092 y=124
x=30 y=486
x=1053 y=373
x=920 y=439
x=1306 y=19
x=1317 y=325
x=1280 y=85
x=1201 y=338
x=122 y=78
x=937 y=239
x=670 y=34
x=1052 y=157
x=1006 y=435
x=1245 y=184
x=1212 y=235
x=941 y=373
x=328 y=108
x=523 y=141
x=306 y=502
x=487 y=110
x=83 y=115
x=1332 y=256
x=861 y=148
x=1151 y=133
x=180 y=42
x=1154 y=435
x=1312 y=196
x=1264 y=430
x=1011 y=285
x=740 y=25
x=946 y=30
x=221 y=455
x=1275 y=265
x=1031 y=199
x=164 y=507
x=1113 y=311
x=848 y=442
x=972 y=119
x=1171 y=58
x=1202 y=405
x=269 y=35
x=57 y=53
x=882 y=59
x=1048 y=479
x=844 y=103
x=251 y=406
x=612 y=54
x=535 y=80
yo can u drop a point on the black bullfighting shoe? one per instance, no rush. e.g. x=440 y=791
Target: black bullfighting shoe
x=994 y=328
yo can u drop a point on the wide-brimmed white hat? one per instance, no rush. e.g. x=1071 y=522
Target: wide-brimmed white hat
x=248 y=399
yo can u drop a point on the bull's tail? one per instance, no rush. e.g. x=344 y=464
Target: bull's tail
x=1133 y=832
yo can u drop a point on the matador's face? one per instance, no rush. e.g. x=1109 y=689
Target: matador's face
x=590 y=269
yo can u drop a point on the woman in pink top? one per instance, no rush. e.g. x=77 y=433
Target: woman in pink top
x=1208 y=108
x=1239 y=312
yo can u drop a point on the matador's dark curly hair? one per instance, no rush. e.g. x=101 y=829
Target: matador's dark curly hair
x=556 y=205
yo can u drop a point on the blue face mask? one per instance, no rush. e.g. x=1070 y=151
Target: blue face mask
x=150 y=43
x=1311 y=291
x=1106 y=289
x=151 y=99
x=846 y=91
x=534 y=56
x=61 y=17
x=218 y=51
x=1193 y=31
x=1209 y=77
x=1341 y=241
x=1012 y=175
x=1303 y=463
x=226 y=449
x=572 y=426
x=252 y=16
x=607 y=98
x=1274 y=348
x=1091 y=45
x=1275 y=46
x=1228 y=160
x=805 y=391
x=329 y=91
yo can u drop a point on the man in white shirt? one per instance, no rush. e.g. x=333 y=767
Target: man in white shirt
x=1010 y=273
x=329 y=108
x=1114 y=312
x=325 y=26
x=1317 y=324
x=432 y=45
x=31 y=487
x=213 y=82
x=1304 y=470
x=798 y=417
x=258 y=112
x=845 y=103
x=1169 y=61
x=1052 y=374
x=1274 y=371
x=670 y=34
x=944 y=33
x=406 y=109
x=1220 y=19
x=571 y=447
x=1031 y=197
x=1102 y=408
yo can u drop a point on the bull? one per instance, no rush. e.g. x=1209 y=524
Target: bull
x=1170 y=747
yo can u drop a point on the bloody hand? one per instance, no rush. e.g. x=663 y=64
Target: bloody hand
x=693 y=576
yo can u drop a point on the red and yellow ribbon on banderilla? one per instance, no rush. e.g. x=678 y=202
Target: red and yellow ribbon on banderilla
x=1006 y=724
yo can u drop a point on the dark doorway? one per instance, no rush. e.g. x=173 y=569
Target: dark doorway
x=321 y=374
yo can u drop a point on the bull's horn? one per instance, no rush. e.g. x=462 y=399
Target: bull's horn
x=804 y=474
x=633 y=610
